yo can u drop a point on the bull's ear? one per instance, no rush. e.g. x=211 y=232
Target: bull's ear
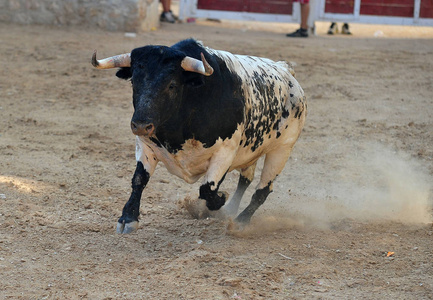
x=124 y=73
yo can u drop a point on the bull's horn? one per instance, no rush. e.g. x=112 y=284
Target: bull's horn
x=195 y=65
x=118 y=61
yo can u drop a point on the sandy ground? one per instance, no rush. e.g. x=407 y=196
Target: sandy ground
x=358 y=184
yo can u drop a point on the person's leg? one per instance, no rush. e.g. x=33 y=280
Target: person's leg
x=167 y=15
x=303 y=30
x=305 y=12
x=166 y=4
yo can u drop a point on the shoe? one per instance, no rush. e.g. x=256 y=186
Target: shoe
x=167 y=17
x=345 y=29
x=333 y=29
x=176 y=18
x=301 y=32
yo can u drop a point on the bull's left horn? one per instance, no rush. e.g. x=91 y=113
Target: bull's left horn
x=118 y=61
x=195 y=65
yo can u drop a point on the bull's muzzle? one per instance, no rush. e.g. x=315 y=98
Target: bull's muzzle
x=142 y=129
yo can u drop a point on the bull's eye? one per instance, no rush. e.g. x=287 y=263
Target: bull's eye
x=172 y=86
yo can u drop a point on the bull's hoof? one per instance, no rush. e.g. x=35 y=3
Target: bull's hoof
x=243 y=219
x=234 y=227
x=215 y=205
x=125 y=228
x=217 y=202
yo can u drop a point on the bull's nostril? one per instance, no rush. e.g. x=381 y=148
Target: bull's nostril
x=149 y=128
x=142 y=129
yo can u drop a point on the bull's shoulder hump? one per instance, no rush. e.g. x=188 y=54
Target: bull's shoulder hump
x=248 y=65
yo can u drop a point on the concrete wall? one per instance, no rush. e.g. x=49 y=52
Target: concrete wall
x=112 y=15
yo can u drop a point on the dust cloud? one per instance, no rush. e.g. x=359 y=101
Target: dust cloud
x=369 y=183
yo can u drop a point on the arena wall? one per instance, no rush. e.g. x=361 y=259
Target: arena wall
x=112 y=15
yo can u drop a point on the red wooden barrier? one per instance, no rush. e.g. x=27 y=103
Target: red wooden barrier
x=426 y=9
x=370 y=11
x=339 y=6
x=254 y=6
x=391 y=8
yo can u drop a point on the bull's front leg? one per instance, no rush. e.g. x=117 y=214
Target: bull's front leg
x=128 y=222
x=209 y=192
x=219 y=166
x=146 y=163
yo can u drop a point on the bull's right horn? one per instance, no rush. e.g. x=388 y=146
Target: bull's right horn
x=118 y=61
x=197 y=66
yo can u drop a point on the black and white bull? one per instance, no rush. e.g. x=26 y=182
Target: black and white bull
x=205 y=112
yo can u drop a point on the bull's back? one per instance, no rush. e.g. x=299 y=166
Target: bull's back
x=275 y=106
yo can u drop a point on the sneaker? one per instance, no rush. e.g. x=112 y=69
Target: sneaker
x=345 y=29
x=301 y=32
x=333 y=29
x=176 y=18
x=167 y=17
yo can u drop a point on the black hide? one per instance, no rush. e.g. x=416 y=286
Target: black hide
x=183 y=105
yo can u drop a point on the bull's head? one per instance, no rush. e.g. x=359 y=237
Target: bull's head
x=158 y=78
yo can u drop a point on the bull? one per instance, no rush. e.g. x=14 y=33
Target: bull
x=205 y=112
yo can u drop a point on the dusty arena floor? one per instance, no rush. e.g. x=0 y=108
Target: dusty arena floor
x=350 y=217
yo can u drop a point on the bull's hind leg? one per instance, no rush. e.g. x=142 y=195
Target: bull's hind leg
x=245 y=179
x=274 y=164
